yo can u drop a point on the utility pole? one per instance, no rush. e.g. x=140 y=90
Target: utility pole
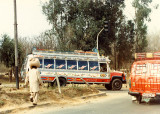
x=98 y=36
x=16 y=43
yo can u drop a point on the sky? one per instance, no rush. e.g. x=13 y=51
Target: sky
x=31 y=20
x=153 y=26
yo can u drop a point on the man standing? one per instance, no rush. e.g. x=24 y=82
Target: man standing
x=34 y=79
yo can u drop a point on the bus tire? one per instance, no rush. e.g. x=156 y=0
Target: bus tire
x=62 y=82
x=51 y=84
x=108 y=86
x=116 y=84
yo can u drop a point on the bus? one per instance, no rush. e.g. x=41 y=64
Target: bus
x=78 y=67
x=144 y=80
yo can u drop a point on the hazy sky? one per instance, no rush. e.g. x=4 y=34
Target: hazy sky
x=31 y=20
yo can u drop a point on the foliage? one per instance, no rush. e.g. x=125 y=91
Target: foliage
x=7 y=55
x=76 y=24
x=46 y=40
x=7 y=51
x=142 y=11
x=126 y=39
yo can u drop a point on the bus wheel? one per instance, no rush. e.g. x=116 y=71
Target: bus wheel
x=116 y=84
x=51 y=84
x=62 y=82
x=108 y=86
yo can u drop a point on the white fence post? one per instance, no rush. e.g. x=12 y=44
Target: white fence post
x=59 y=88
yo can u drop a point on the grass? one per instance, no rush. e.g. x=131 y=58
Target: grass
x=19 y=96
x=1 y=103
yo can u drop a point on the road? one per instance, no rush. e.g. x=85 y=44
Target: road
x=116 y=102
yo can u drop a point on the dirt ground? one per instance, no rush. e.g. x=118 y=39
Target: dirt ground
x=11 y=97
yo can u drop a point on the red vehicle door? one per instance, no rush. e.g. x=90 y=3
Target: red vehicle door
x=138 y=77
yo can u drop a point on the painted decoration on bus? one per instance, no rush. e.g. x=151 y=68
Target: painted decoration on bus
x=74 y=74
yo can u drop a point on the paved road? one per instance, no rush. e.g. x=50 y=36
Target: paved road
x=116 y=102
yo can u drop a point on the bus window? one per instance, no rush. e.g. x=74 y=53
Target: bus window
x=103 y=67
x=49 y=63
x=60 y=64
x=140 y=69
x=71 y=65
x=93 y=66
x=155 y=69
x=82 y=65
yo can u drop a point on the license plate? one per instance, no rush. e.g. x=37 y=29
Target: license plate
x=148 y=95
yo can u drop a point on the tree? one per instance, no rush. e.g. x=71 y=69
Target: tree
x=7 y=51
x=125 y=47
x=55 y=12
x=76 y=24
x=7 y=54
x=142 y=11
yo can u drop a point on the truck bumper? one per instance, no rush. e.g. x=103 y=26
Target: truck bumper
x=133 y=93
x=137 y=94
x=158 y=95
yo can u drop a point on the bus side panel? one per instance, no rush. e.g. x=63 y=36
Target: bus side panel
x=89 y=80
x=46 y=78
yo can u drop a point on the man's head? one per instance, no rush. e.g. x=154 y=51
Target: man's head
x=34 y=62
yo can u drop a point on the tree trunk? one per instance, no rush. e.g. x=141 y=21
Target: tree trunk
x=10 y=75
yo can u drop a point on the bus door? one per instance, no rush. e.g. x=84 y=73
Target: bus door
x=104 y=70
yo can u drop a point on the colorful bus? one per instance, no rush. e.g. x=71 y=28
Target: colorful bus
x=144 y=81
x=76 y=67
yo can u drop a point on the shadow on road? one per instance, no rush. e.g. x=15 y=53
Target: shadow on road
x=124 y=90
x=151 y=102
x=154 y=102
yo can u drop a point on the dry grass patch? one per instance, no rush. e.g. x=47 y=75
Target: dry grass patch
x=12 y=96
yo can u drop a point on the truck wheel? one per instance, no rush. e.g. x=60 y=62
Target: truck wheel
x=62 y=82
x=108 y=86
x=139 y=99
x=116 y=84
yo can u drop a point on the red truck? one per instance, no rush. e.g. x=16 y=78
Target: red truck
x=144 y=81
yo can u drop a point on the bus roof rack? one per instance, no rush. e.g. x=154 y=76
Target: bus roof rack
x=76 y=52
x=147 y=56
